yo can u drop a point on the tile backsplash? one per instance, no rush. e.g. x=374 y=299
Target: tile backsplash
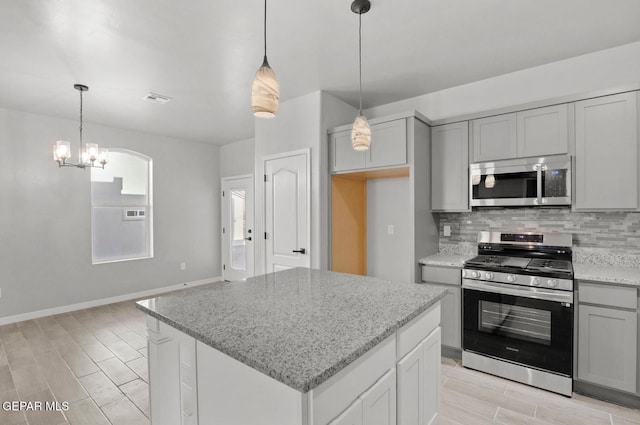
x=601 y=238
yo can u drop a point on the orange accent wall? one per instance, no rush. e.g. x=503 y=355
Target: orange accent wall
x=349 y=225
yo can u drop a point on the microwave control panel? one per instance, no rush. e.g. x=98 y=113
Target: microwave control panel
x=554 y=183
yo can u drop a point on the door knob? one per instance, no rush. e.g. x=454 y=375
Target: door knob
x=300 y=251
x=249 y=238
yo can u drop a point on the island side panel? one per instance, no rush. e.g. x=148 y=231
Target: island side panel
x=230 y=392
x=171 y=375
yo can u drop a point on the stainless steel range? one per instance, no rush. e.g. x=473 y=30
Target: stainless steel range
x=518 y=308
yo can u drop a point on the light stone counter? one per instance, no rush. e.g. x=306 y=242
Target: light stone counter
x=604 y=273
x=446 y=260
x=298 y=326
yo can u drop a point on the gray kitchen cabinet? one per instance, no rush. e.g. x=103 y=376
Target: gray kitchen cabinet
x=388 y=148
x=608 y=336
x=606 y=161
x=494 y=138
x=450 y=167
x=344 y=156
x=543 y=131
x=388 y=144
x=451 y=305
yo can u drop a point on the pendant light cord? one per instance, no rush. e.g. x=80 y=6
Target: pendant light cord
x=359 y=58
x=265 y=30
x=80 y=120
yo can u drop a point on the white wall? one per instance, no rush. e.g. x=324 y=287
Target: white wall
x=301 y=123
x=237 y=158
x=595 y=71
x=388 y=204
x=45 y=216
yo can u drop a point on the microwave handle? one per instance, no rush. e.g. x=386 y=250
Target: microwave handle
x=539 y=168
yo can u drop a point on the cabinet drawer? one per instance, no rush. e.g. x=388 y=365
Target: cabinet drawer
x=610 y=295
x=410 y=335
x=336 y=394
x=446 y=275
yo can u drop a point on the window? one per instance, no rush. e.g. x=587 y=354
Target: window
x=121 y=208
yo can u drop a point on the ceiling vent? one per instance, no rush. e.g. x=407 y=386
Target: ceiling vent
x=157 y=98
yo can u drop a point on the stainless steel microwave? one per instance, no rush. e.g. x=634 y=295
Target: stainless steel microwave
x=542 y=181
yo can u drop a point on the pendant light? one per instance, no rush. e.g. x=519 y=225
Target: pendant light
x=265 y=90
x=360 y=133
x=87 y=156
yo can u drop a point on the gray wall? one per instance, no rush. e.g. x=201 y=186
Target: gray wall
x=301 y=123
x=237 y=158
x=45 y=216
x=388 y=204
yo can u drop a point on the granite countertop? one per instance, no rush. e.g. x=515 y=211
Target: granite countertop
x=604 y=273
x=298 y=326
x=446 y=260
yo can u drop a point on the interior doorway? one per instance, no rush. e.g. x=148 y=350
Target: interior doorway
x=237 y=228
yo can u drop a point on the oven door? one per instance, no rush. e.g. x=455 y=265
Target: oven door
x=528 y=326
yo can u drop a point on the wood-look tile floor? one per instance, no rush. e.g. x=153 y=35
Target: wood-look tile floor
x=95 y=360
x=470 y=397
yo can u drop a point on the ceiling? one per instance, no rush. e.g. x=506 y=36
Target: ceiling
x=204 y=53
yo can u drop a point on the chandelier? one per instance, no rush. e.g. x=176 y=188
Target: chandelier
x=89 y=156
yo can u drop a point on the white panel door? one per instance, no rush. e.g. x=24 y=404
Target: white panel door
x=379 y=401
x=411 y=388
x=287 y=212
x=237 y=228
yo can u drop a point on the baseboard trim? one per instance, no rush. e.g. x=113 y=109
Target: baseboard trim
x=103 y=301
x=606 y=394
x=450 y=352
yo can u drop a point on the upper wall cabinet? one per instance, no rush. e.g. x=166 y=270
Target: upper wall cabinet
x=543 y=131
x=344 y=157
x=450 y=167
x=535 y=132
x=388 y=148
x=606 y=165
x=494 y=138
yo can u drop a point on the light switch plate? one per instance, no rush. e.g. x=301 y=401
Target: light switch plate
x=390 y=229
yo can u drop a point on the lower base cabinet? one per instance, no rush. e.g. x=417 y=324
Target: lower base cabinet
x=608 y=317
x=607 y=347
x=419 y=381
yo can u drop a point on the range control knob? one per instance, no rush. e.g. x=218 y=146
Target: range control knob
x=475 y=275
x=488 y=275
x=552 y=283
x=535 y=281
x=511 y=278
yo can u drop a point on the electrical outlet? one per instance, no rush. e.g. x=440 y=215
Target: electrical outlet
x=183 y=266
x=446 y=230
x=390 y=229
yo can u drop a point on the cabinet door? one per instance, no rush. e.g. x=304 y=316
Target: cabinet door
x=607 y=347
x=607 y=153
x=379 y=401
x=344 y=157
x=351 y=416
x=431 y=380
x=411 y=387
x=494 y=138
x=451 y=316
x=388 y=144
x=450 y=167
x=543 y=131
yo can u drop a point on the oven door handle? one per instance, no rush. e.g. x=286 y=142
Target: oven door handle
x=527 y=292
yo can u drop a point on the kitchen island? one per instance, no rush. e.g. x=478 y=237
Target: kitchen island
x=298 y=347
